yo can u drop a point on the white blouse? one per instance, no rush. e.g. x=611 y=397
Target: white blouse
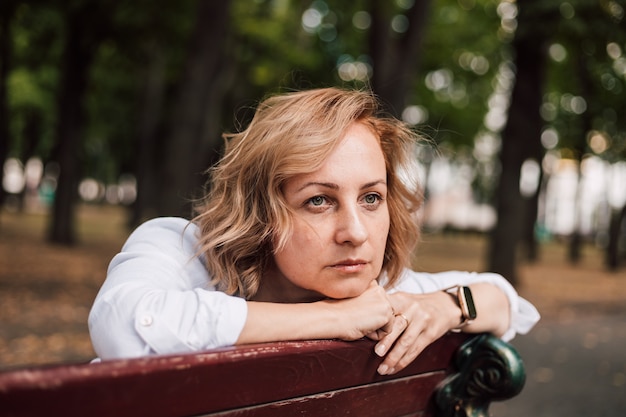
x=157 y=297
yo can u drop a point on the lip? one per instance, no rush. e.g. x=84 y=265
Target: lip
x=350 y=265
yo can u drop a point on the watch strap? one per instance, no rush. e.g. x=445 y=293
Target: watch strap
x=465 y=301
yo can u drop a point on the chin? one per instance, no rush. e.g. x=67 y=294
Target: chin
x=346 y=291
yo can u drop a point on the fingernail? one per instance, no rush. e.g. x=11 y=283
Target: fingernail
x=380 y=349
x=382 y=369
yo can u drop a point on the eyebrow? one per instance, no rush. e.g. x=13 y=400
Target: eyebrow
x=333 y=186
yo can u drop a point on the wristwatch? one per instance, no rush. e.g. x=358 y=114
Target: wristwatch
x=463 y=296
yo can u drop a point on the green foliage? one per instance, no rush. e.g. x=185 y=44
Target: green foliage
x=269 y=42
x=462 y=43
x=271 y=48
x=32 y=83
x=582 y=69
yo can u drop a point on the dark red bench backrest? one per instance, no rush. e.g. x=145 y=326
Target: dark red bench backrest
x=313 y=378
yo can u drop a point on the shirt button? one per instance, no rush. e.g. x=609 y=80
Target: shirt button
x=146 y=321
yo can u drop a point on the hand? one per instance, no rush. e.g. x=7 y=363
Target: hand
x=346 y=319
x=420 y=320
x=362 y=315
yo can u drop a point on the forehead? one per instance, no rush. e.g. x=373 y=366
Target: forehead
x=358 y=142
x=356 y=157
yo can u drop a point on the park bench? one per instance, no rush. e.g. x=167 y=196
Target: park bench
x=458 y=375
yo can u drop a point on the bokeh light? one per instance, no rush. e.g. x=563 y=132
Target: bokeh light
x=415 y=114
x=13 y=180
x=362 y=20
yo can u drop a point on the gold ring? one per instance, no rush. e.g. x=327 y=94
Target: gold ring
x=404 y=317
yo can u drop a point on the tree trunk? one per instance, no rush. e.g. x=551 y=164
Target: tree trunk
x=73 y=84
x=151 y=104
x=519 y=138
x=531 y=211
x=576 y=240
x=195 y=104
x=31 y=138
x=7 y=9
x=395 y=56
x=586 y=87
x=82 y=38
x=618 y=217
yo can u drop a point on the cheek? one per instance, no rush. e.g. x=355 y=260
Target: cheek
x=307 y=237
x=382 y=233
x=299 y=250
x=384 y=224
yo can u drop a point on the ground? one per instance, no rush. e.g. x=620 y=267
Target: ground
x=46 y=291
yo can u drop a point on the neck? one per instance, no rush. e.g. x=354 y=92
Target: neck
x=276 y=288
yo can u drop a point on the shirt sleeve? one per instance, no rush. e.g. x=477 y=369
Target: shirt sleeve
x=523 y=314
x=157 y=297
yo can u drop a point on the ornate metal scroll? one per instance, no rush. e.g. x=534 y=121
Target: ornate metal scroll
x=488 y=370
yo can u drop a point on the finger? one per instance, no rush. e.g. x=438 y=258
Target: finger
x=403 y=352
x=378 y=334
x=374 y=336
x=407 y=349
x=387 y=337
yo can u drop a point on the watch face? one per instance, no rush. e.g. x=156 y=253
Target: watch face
x=469 y=308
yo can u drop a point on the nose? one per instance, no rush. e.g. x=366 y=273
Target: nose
x=350 y=227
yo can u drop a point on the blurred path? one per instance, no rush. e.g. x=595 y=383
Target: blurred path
x=575 y=358
x=575 y=368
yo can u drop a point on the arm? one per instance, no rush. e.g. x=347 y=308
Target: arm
x=348 y=319
x=494 y=308
x=156 y=299
x=432 y=312
x=522 y=314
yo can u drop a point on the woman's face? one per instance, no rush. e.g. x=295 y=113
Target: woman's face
x=341 y=221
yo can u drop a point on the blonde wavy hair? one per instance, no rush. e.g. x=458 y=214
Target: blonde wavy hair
x=244 y=216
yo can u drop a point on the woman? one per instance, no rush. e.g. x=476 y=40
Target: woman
x=306 y=233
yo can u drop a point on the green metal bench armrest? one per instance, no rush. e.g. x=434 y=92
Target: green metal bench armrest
x=488 y=370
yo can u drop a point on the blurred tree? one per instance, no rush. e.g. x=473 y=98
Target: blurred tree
x=585 y=91
x=579 y=147
x=617 y=226
x=522 y=133
x=155 y=108
x=151 y=105
x=87 y=23
x=35 y=55
x=396 y=54
x=462 y=52
x=273 y=49
x=161 y=30
x=7 y=10
x=193 y=129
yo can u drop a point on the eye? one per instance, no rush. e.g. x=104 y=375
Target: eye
x=317 y=201
x=372 y=198
x=372 y=201
x=318 y=204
